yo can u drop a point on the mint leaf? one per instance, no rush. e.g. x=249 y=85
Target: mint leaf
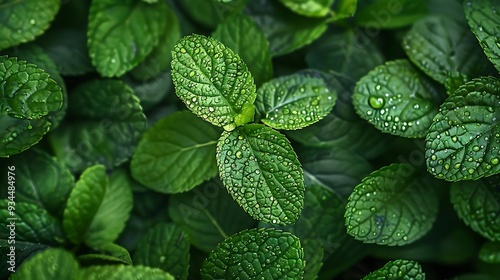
x=152 y=91
x=392 y=206
x=32 y=223
x=442 y=47
x=22 y=250
x=398 y=269
x=309 y=8
x=176 y=154
x=463 y=139
x=18 y=135
x=209 y=13
x=165 y=246
x=396 y=99
x=490 y=252
x=242 y=35
x=35 y=19
x=120 y=272
x=108 y=253
x=256 y=253
x=294 y=101
x=132 y=25
x=343 y=9
x=389 y=14
x=53 y=263
x=208 y=215
x=260 y=170
x=213 y=81
x=484 y=23
x=477 y=203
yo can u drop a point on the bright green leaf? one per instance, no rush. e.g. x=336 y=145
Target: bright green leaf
x=477 y=203
x=398 y=269
x=463 y=140
x=122 y=33
x=485 y=24
x=389 y=13
x=256 y=254
x=392 y=206
x=165 y=246
x=53 y=263
x=35 y=19
x=260 y=170
x=108 y=253
x=490 y=252
x=295 y=101
x=176 y=154
x=213 y=81
x=396 y=99
x=121 y=272
x=309 y=8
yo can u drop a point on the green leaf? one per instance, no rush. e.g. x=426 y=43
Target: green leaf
x=243 y=36
x=31 y=223
x=398 y=269
x=84 y=202
x=295 y=101
x=477 y=203
x=176 y=154
x=120 y=272
x=389 y=14
x=107 y=124
x=285 y=30
x=122 y=33
x=208 y=215
x=442 y=47
x=463 y=140
x=18 y=135
x=396 y=99
x=309 y=8
x=256 y=254
x=261 y=171
x=490 y=252
x=53 y=263
x=343 y=9
x=22 y=250
x=35 y=19
x=392 y=206
x=151 y=92
x=159 y=59
x=108 y=253
x=213 y=81
x=166 y=247
x=485 y=24
x=209 y=13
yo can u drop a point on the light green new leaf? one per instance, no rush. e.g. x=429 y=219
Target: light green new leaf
x=490 y=252
x=121 y=272
x=295 y=101
x=53 y=263
x=389 y=13
x=22 y=21
x=482 y=16
x=261 y=171
x=242 y=35
x=176 y=154
x=396 y=99
x=165 y=246
x=464 y=139
x=478 y=204
x=256 y=254
x=213 y=81
x=398 y=269
x=309 y=8
x=32 y=223
x=443 y=47
x=122 y=33
x=392 y=206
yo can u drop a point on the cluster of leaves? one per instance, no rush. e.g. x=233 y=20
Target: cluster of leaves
x=305 y=140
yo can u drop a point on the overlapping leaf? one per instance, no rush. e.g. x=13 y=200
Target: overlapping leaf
x=53 y=263
x=490 y=252
x=398 y=269
x=120 y=272
x=310 y=8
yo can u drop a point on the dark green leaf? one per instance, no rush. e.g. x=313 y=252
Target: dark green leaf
x=309 y=8
x=22 y=251
x=343 y=9
x=209 y=13
x=108 y=253
x=53 y=263
x=121 y=272
x=18 y=135
x=490 y=252
x=151 y=92
x=389 y=13
x=398 y=269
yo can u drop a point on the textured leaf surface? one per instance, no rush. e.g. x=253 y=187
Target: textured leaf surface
x=478 y=204
x=389 y=14
x=485 y=24
x=108 y=253
x=165 y=246
x=398 y=269
x=176 y=154
x=261 y=171
x=294 y=101
x=490 y=252
x=464 y=138
x=256 y=253
x=310 y=8
x=17 y=135
x=121 y=33
x=442 y=47
x=213 y=81
x=32 y=224
x=242 y=35
x=53 y=263
x=22 y=21
x=120 y=272
x=396 y=99
x=208 y=214
x=392 y=206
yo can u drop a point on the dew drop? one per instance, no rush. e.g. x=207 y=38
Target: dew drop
x=494 y=161
x=239 y=154
x=376 y=102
